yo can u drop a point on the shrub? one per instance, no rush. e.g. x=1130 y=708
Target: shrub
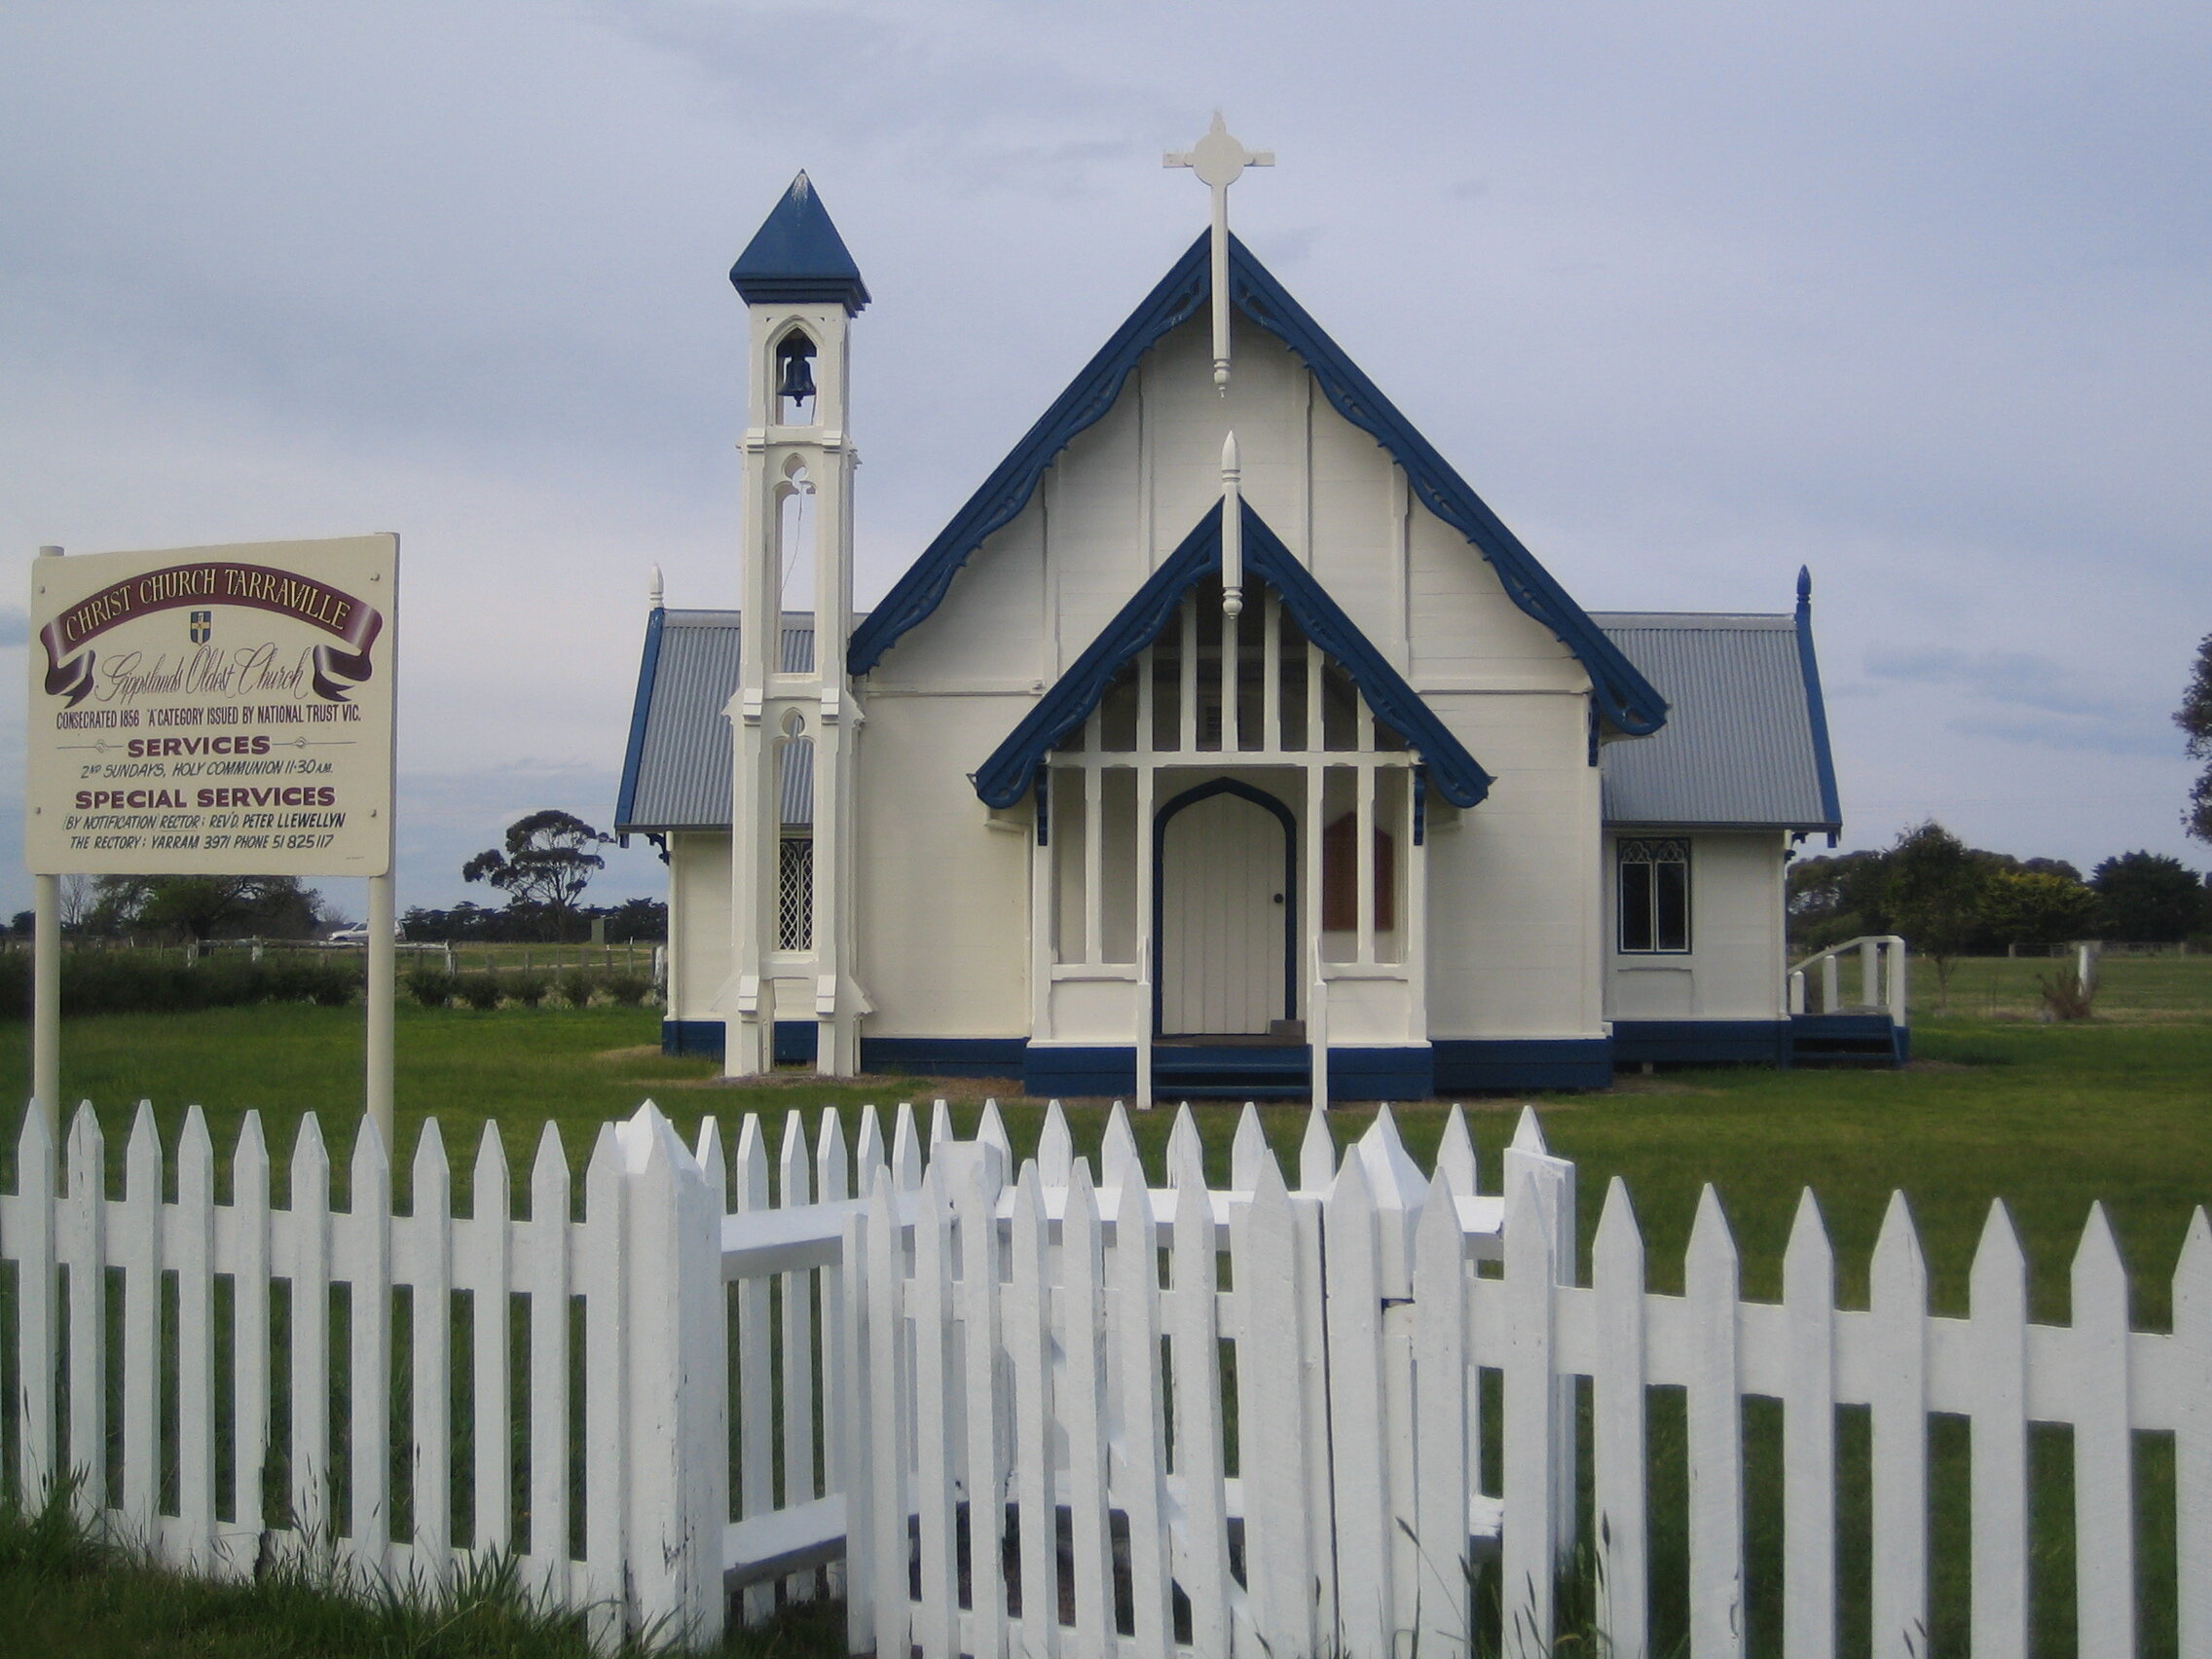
x=432 y=987
x=480 y=991
x=529 y=988
x=627 y=989
x=2065 y=996
x=127 y=982
x=577 y=986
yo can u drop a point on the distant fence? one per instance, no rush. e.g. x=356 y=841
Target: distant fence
x=1057 y=1412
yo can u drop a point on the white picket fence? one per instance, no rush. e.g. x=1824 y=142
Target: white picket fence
x=1063 y=1412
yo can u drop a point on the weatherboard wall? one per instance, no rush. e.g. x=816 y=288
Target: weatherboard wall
x=1515 y=941
x=1733 y=969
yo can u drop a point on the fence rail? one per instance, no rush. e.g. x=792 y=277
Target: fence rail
x=1054 y=1411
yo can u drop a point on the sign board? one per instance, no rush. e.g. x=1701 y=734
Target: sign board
x=213 y=711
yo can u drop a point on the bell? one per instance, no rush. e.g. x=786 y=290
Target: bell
x=797 y=382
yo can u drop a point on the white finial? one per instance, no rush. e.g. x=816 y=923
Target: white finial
x=652 y=590
x=1231 y=531
x=1219 y=161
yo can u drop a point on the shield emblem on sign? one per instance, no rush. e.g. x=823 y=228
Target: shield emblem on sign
x=203 y=626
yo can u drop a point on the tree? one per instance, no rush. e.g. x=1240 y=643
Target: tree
x=200 y=908
x=2147 y=898
x=1934 y=896
x=1834 y=896
x=2194 y=716
x=2026 y=906
x=547 y=864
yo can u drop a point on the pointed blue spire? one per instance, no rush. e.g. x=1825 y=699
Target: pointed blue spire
x=1804 y=592
x=797 y=254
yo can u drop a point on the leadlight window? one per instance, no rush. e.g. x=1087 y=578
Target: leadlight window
x=1655 y=894
x=794 y=893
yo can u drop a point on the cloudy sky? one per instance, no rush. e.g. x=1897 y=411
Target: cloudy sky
x=1916 y=294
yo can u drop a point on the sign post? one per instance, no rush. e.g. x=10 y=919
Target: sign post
x=214 y=712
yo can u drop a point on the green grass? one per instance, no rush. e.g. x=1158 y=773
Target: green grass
x=62 y=1591
x=2048 y=1116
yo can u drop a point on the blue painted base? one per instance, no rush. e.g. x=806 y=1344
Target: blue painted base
x=706 y=1039
x=944 y=1056
x=1226 y=1071
x=1474 y=1065
x=1700 y=1042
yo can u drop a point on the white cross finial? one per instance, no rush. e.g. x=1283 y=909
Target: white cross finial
x=1219 y=161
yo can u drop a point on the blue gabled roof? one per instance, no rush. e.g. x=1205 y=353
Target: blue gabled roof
x=796 y=254
x=1008 y=774
x=1624 y=697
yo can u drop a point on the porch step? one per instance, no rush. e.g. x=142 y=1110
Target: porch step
x=1870 y=1041
x=1243 y=1071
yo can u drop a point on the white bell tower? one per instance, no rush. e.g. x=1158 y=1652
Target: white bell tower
x=793 y=721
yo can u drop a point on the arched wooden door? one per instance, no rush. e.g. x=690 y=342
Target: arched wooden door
x=1225 y=901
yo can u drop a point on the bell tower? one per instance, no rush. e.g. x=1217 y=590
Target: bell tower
x=793 y=721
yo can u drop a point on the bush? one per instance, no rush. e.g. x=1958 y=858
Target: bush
x=627 y=989
x=2065 y=996
x=577 y=986
x=127 y=982
x=432 y=987
x=480 y=991
x=530 y=987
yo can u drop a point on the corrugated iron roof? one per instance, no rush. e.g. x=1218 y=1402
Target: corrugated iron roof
x=677 y=775
x=1745 y=743
x=1746 y=739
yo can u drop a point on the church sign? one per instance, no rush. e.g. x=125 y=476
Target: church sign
x=213 y=711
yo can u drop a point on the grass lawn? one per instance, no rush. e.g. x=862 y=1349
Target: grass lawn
x=2049 y=1117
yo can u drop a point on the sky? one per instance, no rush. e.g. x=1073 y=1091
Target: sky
x=1918 y=295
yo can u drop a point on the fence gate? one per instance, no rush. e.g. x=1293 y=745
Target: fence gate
x=1101 y=1418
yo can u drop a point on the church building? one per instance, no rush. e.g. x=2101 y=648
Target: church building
x=1224 y=743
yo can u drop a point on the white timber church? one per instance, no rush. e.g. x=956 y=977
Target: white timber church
x=1224 y=742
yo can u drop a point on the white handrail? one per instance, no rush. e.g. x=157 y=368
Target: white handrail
x=1882 y=982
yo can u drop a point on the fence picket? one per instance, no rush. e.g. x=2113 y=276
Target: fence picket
x=1195 y=1342
x=905 y=1150
x=794 y=1190
x=1118 y=1150
x=1056 y=1148
x=250 y=1269
x=310 y=1254
x=1316 y=1153
x=362 y=1256
x=1619 y=1456
x=1083 y=1269
x=429 y=1223
x=1445 y=1474
x=755 y=1410
x=941 y=1126
x=1271 y=1412
x=544 y=1270
x=2193 y=1438
x=1247 y=1151
x=81 y=1243
x=878 y=1284
x=984 y=1471
x=2104 y=1449
x=1028 y=1311
x=190 y=1242
x=1530 y=1422
x=1710 y=1281
x=1997 y=1297
x=1808 y=1438
x=832 y=1184
x=601 y=1272
x=30 y=1239
x=1455 y=1154
x=1898 y=1340
x=937 y=1389
x=1352 y=1307
x=489 y=1252
x=135 y=1228
x=1134 y=1330
x=868 y=1152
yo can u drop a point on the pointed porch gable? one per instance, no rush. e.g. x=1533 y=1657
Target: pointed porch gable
x=1451 y=770
x=1624 y=699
